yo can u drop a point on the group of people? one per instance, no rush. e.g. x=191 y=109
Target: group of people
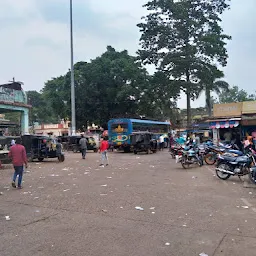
x=103 y=149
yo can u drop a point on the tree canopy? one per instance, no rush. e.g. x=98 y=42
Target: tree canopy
x=112 y=85
x=41 y=110
x=234 y=94
x=184 y=40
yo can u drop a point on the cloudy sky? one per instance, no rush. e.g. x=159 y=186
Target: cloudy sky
x=35 y=37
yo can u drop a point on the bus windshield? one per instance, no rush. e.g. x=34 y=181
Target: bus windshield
x=119 y=128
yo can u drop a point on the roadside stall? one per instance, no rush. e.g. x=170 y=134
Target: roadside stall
x=226 y=122
x=201 y=130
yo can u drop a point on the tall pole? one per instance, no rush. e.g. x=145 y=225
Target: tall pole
x=73 y=104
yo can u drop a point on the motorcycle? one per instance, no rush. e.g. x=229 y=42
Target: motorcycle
x=191 y=155
x=212 y=152
x=175 y=150
x=229 y=165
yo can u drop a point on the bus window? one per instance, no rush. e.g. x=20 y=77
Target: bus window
x=140 y=127
x=154 y=128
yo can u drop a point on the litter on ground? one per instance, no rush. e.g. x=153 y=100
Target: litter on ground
x=139 y=208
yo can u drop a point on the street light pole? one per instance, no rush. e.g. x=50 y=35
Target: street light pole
x=73 y=104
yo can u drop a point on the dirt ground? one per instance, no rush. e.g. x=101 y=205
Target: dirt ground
x=78 y=208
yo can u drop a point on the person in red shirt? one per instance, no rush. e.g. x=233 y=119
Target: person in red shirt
x=19 y=157
x=104 y=151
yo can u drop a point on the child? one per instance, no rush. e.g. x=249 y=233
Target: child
x=104 y=151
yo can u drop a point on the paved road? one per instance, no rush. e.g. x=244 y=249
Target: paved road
x=77 y=208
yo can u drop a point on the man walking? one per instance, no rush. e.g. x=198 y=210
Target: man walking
x=161 y=141
x=104 y=151
x=83 y=146
x=19 y=158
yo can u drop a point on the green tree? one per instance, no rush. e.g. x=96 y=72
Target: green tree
x=234 y=94
x=41 y=111
x=159 y=97
x=109 y=86
x=210 y=80
x=182 y=38
x=56 y=93
x=217 y=87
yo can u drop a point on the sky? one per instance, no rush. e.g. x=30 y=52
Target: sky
x=35 y=38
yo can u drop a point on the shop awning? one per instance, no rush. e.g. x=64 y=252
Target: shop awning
x=220 y=124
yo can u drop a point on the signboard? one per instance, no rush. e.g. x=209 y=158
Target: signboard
x=227 y=110
x=249 y=107
x=51 y=126
x=215 y=136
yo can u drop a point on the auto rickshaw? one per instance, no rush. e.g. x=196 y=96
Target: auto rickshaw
x=91 y=144
x=64 y=141
x=41 y=147
x=143 y=142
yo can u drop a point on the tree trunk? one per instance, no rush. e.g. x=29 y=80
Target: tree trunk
x=208 y=101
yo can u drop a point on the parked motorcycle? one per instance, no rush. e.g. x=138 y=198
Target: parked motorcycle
x=191 y=155
x=175 y=150
x=229 y=165
x=212 y=152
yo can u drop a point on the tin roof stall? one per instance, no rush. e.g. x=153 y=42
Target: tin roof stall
x=202 y=130
x=226 y=122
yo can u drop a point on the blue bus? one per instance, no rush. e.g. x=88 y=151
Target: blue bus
x=119 y=130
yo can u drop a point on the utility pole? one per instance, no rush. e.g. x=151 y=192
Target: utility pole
x=73 y=104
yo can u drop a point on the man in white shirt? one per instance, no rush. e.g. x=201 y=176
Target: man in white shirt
x=161 y=141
